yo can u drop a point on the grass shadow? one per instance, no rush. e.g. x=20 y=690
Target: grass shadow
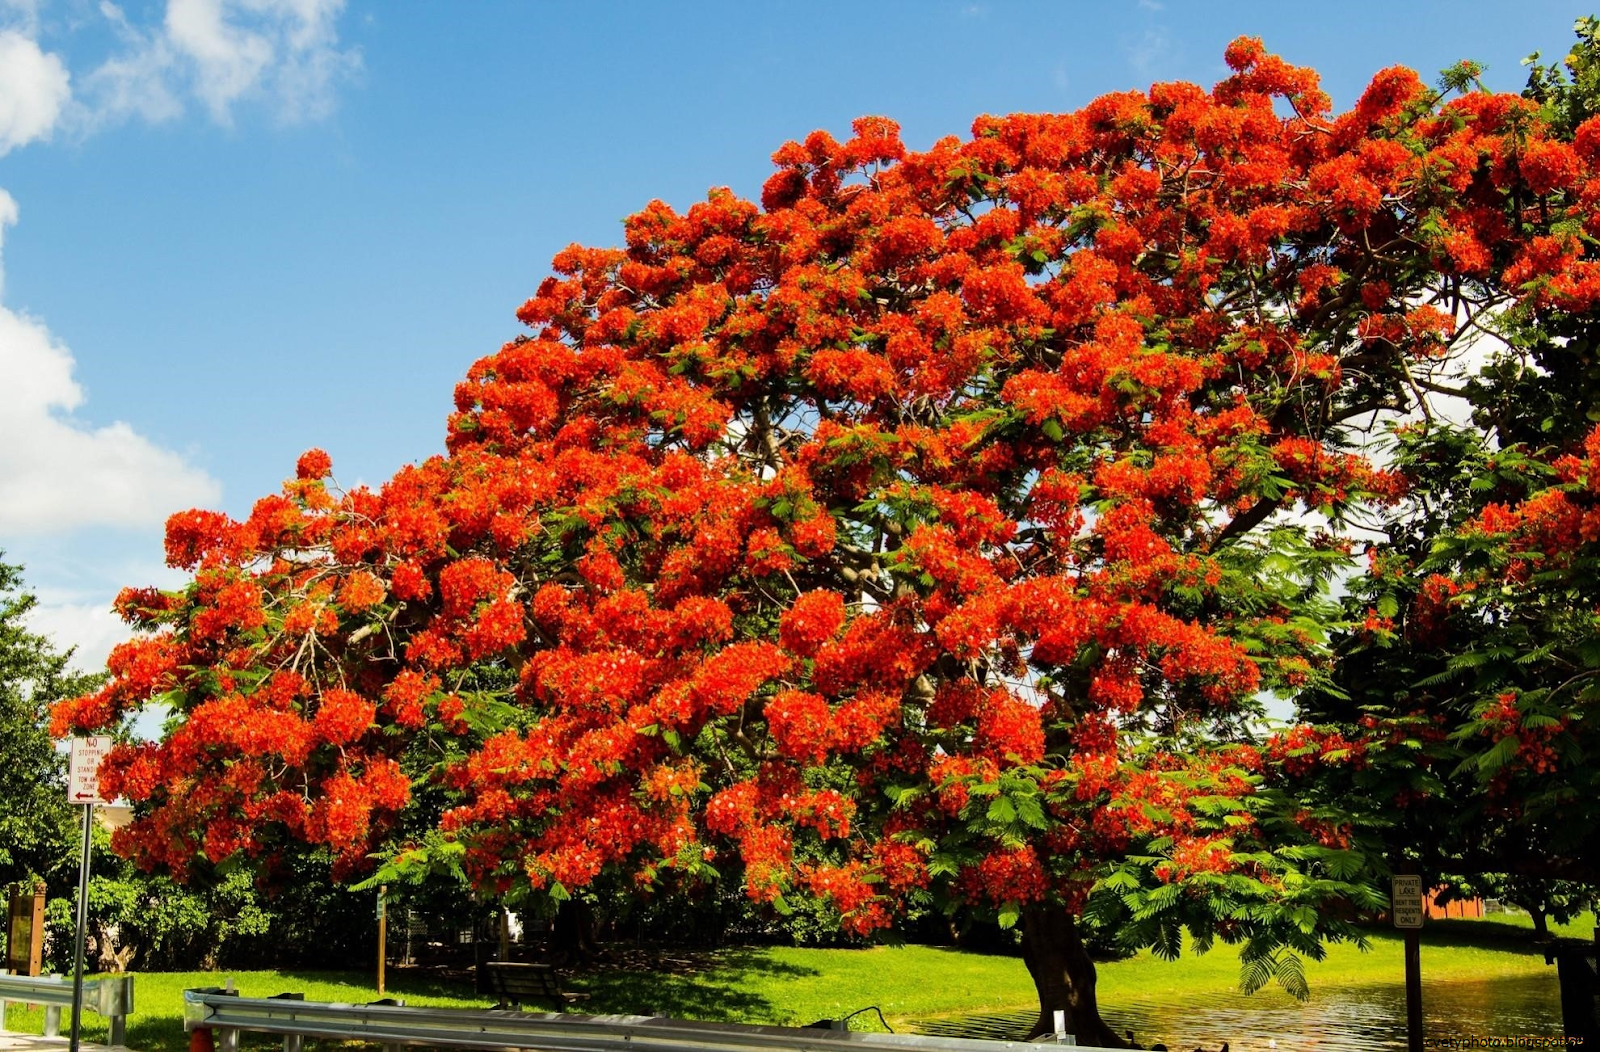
x=719 y=986
x=716 y=987
x=161 y=1033
x=1454 y=932
x=398 y=983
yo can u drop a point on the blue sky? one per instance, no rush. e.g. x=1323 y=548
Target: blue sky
x=236 y=229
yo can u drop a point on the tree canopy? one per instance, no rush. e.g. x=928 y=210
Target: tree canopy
x=929 y=532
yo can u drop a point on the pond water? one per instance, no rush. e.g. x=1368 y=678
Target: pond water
x=1338 y=1019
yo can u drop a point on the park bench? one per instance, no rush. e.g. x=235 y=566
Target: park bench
x=111 y=997
x=513 y=982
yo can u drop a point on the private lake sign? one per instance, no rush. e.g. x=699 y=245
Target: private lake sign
x=1406 y=901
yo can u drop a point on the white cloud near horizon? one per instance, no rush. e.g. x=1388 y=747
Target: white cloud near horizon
x=90 y=628
x=58 y=473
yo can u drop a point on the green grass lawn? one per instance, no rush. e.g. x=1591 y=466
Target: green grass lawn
x=789 y=986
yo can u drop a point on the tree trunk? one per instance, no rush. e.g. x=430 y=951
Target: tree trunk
x=1541 y=923
x=1063 y=975
x=573 y=937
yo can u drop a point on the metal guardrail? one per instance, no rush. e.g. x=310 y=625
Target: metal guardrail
x=495 y=1029
x=111 y=996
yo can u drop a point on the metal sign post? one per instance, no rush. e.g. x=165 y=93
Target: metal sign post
x=83 y=789
x=1406 y=911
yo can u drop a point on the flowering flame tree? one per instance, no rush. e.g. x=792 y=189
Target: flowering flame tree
x=929 y=532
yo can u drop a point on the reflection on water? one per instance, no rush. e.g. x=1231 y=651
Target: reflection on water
x=1336 y=1018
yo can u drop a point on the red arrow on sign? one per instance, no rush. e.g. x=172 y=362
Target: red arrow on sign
x=83 y=796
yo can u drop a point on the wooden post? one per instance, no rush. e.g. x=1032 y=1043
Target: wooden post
x=1413 y=992
x=36 y=941
x=383 y=933
x=25 y=930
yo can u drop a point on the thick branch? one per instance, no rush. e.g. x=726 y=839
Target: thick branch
x=1246 y=521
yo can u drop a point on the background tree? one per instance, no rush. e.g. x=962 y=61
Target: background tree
x=1472 y=678
x=141 y=921
x=1543 y=900
x=926 y=535
x=35 y=819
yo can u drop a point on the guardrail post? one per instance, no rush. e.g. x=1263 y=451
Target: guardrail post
x=116 y=1001
x=291 y=1042
x=52 y=1015
x=388 y=1002
x=228 y=1040
x=201 y=1039
x=113 y=998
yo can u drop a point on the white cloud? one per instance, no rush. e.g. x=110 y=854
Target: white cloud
x=313 y=65
x=137 y=81
x=228 y=59
x=34 y=90
x=91 y=629
x=284 y=53
x=58 y=473
x=1151 y=51
x=22 y=12
x=8 y=217
x=74 y=584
